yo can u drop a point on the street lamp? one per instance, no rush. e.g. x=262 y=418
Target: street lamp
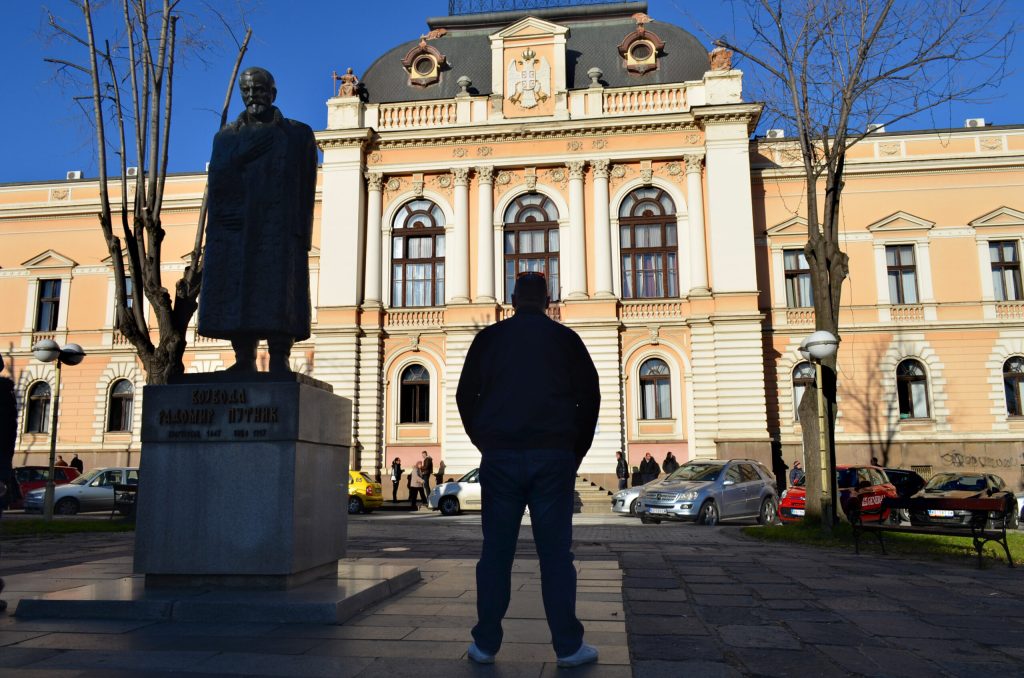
x=48 y=351
x=820 y=346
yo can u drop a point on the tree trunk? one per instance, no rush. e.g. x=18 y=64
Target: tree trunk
x=808 y=409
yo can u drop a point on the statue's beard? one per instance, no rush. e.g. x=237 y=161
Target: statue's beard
x=257 y=109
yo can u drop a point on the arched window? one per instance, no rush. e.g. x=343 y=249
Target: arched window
x=1013 y=378
x=37 y=414
x=655 y=390
x=119 y=406
x=912 y=390
x=647 y=236
x=803 y=378
x=414 y=406
x=531 y=241
x=417 y=255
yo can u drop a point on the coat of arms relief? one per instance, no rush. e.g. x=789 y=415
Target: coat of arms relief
x=528 y=81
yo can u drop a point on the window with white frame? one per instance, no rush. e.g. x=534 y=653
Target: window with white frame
x=531 y=241
x=912 y=390
x=648 y=239
x=119 y=406
x=1006 y=282
x=48 y=305
x=1013 y=379
x=414 y=395
x=799 y=293
x=37 y=408
x=899 y=260
x=655 y=390
x=417 y=255
x=803 y=378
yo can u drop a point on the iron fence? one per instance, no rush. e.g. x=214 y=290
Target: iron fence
x=481 y=6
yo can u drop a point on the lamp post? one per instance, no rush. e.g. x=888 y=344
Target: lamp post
x=48 y=351
x=820 y=346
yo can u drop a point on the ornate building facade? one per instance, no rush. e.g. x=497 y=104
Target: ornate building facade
x=609 y=152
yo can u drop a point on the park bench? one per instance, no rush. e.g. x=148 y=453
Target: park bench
x=986 y=514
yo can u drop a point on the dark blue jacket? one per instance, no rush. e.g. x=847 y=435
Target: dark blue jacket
x=528 y=382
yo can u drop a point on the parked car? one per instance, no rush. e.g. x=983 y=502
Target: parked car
x=33 y=477
x=907 y=483
x=459 y=495
x=964 y=485
x=364 y=495
x=625 y=501
x=93 y=491
x=853 y=483
x=711 y=490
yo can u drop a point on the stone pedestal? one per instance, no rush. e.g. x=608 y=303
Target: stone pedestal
x=243 y=481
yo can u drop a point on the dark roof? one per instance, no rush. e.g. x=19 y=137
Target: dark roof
x=592 y=41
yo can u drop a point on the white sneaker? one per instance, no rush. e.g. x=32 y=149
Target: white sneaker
x=587 y=654
x=479 y=656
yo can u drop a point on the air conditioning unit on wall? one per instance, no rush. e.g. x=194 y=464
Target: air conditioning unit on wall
x=74 y=174
x=775 y=133
x=132 y=172
x=974 y=122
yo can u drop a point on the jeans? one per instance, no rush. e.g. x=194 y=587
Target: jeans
x=511 y=480
x=622 y=483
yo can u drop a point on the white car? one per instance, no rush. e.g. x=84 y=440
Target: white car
x=460 y=495
x=92 y=491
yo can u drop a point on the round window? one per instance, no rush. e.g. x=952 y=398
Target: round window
x=641 y=51
x=424 y=66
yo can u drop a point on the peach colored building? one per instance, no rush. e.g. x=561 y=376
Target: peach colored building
x=609 y=152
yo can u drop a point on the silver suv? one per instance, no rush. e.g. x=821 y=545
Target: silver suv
x=709 y=490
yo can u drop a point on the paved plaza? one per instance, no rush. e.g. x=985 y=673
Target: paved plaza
x=666 y=600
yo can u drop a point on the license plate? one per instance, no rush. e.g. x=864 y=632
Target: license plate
x=657 y=510
x=798 y=512
x=941 y=514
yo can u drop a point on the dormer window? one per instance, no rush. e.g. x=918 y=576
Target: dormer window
x=424 y=64
x=641 y=47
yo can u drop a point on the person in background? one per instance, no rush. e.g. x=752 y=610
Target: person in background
x=396 y=478
x=649 y=469
x=77 y=464
x=670 y=464
x=439 y=476
x=416 y=485
x=621 y=470
x=60 y=461
x=796 y=473
x=426 y=470
x=875 y=462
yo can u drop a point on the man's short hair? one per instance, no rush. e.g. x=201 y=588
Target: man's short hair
x=259 y=70
x=531 y=290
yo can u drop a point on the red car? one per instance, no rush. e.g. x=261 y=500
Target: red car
x=34 y=477
x=854 y=483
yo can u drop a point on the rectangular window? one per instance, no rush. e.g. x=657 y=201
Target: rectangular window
x=129 y=291
x=49 y=305
x=899 y=260
x=799 y=293
x=1005 y=270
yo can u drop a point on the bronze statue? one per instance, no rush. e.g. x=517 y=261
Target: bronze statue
x=262 y=181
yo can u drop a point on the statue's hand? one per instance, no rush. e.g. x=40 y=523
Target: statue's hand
x=257 y=145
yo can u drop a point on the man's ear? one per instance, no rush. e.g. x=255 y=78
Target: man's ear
x=273 y=94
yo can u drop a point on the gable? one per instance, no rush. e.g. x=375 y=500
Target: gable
x=900 y=221
x=49 y=259
x=1004 y=216
x=794 y=226
x=528 y=27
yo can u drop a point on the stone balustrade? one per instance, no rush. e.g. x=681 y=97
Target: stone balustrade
x=641 y=100
x=1010 y=310
x=433 y=318
x=651 y=310
x=907 y=314
x=800 y=316
x=414 y=115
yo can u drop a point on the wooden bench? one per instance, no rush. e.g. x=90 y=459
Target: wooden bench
x=977 y=529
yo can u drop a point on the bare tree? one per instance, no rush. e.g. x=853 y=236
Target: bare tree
x=130 y=85
x=833 y=70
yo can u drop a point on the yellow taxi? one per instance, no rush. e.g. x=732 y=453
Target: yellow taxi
x=364 y=495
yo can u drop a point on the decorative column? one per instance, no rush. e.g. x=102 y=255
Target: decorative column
x=372 y=285
x=577 y=233
x=602 y=231
x=457 y=257
x=695 y=207
x=485 y=235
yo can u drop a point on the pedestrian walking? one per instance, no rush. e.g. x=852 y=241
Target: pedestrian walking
x=77 y=464
x=529 y=398
x=649 y=469
x=796 y=473
x=8 y=433
x=427 y=470
x=621 y=470
x=670 y=464
x=416 y=485
x=396 y=478
x=439 y=476
x=60 y=461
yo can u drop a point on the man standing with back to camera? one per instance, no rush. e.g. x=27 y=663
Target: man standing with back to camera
x=529 y=399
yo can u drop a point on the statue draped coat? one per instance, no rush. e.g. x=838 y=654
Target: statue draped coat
x=259 y=231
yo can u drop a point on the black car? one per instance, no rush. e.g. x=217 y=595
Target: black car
x=907 y=483
x=963 y=485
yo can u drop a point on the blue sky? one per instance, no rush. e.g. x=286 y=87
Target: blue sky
x=301 y=42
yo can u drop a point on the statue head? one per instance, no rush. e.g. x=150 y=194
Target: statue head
x=258 y=91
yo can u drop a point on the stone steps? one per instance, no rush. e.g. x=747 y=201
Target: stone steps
x=591 y=498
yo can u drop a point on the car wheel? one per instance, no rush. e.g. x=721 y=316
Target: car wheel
x=902 y=516
x=647 y=520
x=355 y=505
x=449 y=506
x=66 y=507
x=708 y=514
x=632 y=507
x=768 y=512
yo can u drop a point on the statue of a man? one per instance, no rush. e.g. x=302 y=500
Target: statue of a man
x=262 y=180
